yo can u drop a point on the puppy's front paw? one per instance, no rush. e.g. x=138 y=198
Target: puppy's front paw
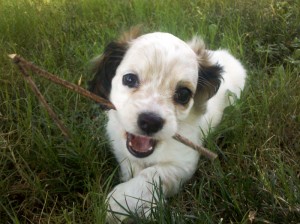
x=117 y=210
x=126 y=199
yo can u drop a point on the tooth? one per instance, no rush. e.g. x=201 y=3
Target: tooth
x=130 y=144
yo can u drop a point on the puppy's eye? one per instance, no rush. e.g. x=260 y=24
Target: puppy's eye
x=182 y=95
x=131 y=80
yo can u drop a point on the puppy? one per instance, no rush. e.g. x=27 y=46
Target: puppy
x=160 y=85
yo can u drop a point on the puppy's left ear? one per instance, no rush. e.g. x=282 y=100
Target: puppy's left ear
x=209 y=74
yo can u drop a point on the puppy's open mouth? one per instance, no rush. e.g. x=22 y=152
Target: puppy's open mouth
x=140 y=146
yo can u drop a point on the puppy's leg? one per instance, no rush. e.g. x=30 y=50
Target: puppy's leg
x=140 y=193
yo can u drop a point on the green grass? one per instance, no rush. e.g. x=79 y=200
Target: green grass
x=47 y=179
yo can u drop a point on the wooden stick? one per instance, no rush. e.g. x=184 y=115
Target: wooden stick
x=22 y=64
x=28 y=65
x=203 y=151
x=42 y=99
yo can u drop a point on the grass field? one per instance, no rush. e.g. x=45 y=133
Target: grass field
x=46 y=179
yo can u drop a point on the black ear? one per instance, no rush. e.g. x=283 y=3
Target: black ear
x=104 y=68
x=209 y=75
x=209 y=80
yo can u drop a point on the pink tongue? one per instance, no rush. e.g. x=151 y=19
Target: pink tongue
x=141 y=143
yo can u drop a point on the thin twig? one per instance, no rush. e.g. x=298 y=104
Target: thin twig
x=203 y=151
x=42 y=99
x=22 y=64
x=47 y=75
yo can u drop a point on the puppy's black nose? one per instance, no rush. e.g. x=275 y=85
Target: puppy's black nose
x=150 y=123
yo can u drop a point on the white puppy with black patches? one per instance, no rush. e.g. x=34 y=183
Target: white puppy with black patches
x=160 y=85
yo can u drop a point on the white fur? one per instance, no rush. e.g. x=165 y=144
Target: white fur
x=162 y=60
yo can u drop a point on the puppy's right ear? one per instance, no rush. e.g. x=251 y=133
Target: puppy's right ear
x=104 y=68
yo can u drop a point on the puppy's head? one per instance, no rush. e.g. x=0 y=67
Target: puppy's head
x=154 y=80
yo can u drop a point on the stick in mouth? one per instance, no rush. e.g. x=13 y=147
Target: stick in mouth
x=133 y=141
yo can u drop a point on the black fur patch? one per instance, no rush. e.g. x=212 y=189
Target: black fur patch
x=104 y=69
x=209 y=80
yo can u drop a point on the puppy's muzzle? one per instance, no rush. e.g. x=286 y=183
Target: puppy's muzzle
x=150 y=123
x=143 y=145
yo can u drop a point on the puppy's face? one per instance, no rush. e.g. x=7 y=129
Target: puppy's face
x=153 y=81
